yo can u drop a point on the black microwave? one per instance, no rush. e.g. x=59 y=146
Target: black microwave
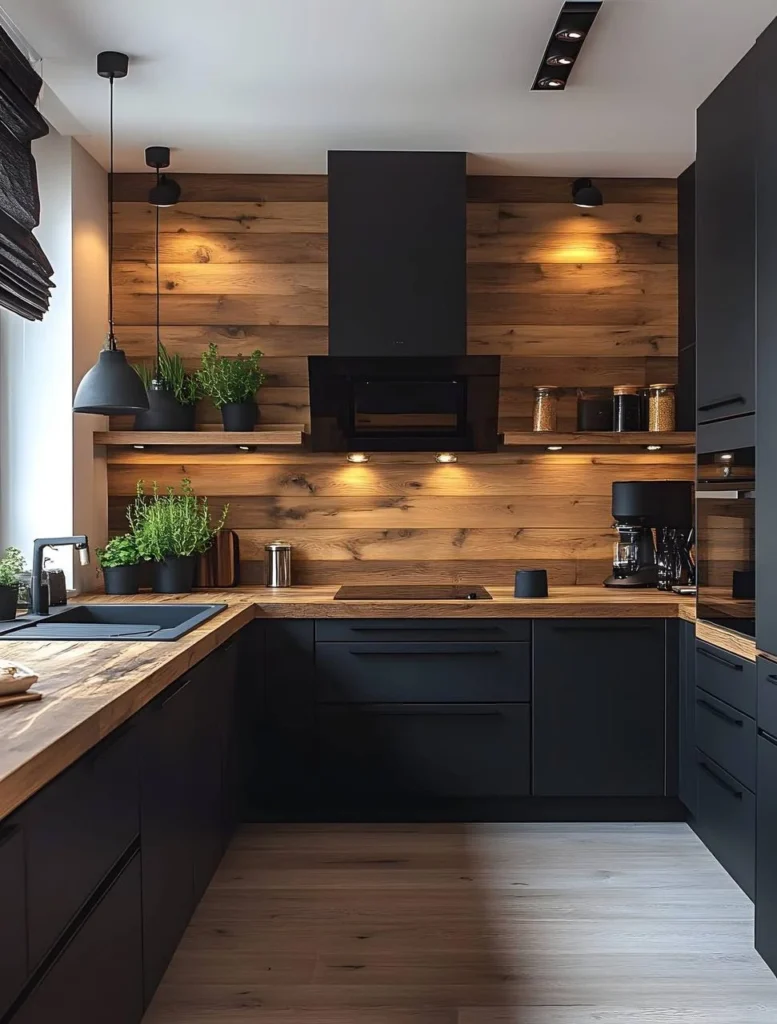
x=404 y=403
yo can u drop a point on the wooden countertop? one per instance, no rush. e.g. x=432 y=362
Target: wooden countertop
x=90 y=688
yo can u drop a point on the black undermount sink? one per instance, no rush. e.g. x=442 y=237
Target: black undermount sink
x=112 y=622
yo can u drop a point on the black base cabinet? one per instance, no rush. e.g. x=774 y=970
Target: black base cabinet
x=13 y=915
x=725 y=821
x=766 y=851
x=97 y=976
x=599 y=708
x=687 y=775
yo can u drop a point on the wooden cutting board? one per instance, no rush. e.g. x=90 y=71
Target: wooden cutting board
x=19 y=698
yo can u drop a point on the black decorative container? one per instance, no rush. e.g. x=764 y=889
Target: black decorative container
x=8 y=600
x=122 y=579
x=531 y=583
x=239 y=417
x=164 y=412
x=174 y=575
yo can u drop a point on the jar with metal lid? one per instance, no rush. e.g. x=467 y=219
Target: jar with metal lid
x=277 y=564
x=661 y=407
x=545 y=408
x=626 y=408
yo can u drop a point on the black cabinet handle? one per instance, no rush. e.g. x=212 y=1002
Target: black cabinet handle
x=488 y=651
x=718 y=713
x=772 y=678
x=768 y=737
x=736 y=793
x=601 y=627
x=175 y=689
x=719 y=659
x=428 y=710
x=730 y=400
x=426 y=629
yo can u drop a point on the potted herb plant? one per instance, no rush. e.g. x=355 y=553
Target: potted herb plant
x=172 y=394
x=172 y=529
x=120 y=563
x=231 y=384
x=11 y=564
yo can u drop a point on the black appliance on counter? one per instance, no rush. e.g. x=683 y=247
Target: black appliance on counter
x=725 y=526
x=379 y=404
x=413 y=592
x=641 y=557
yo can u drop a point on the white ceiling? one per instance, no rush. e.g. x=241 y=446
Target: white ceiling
x=271 y=85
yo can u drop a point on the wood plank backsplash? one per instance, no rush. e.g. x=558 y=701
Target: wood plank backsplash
x=566 y=296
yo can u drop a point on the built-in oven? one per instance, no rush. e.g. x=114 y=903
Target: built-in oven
x=725 y=538
x=412 y=403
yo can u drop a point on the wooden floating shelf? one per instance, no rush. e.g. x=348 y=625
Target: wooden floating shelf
x=280 y=435
x=674 y=441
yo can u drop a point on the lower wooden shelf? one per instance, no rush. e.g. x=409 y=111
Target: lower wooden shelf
x=641 y=441
x=276 y=435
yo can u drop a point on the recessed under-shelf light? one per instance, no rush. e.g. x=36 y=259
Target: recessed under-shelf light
x=359 y=457
x=139 y=447
x=246 y=447
x=446 y=457
x=653 y=447
x=555 y=447
x=726 y=457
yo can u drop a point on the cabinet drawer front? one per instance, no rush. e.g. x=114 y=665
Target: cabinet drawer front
x=726 y=676
x=766 y=852
x=76 y=829
x=97 y=978
x=725 y=821
x=13 y=923
x=767 y=695
x=727 y=736
x=457 y=630
x=372 y=673
x=420 y=752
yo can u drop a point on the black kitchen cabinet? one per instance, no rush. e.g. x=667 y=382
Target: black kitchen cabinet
x=725 y=820
x=415 y=754
x=766 y=850
x=13 y=915
x=599 y=708
x=726 y=245
x=686 y=789
x=184 y=803
x=686 y=299
x=98 y=975
x=76 y=829
x=766 y=348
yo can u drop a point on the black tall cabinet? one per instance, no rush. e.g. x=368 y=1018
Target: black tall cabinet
x=725 y=246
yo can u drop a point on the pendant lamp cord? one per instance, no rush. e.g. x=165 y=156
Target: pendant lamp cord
x=156 y=258
x=111 y=337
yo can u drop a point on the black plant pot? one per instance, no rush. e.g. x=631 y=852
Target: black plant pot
x=122 y=579
x=239 y=416
x=174 y=575
x=8 y=598
x=164 y=412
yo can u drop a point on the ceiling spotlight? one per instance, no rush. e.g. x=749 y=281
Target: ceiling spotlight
x=555 y=447
x=571 y=30
x=586 y=194
x=446 y=457
x=653 y=447
x=358 y=457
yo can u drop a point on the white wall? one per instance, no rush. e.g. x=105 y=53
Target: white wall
x=48 y=484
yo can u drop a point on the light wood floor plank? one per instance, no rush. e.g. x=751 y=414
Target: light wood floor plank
x=469 y=924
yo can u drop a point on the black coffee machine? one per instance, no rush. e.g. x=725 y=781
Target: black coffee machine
x=642 y=559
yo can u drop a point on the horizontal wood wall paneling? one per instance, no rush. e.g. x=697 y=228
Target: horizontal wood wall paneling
x=568 y=297
x=247 y=188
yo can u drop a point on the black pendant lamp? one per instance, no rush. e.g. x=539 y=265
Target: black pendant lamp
x=111 y=387
x=165 y=192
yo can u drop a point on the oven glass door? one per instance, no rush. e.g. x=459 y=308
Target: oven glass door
x=725 y=539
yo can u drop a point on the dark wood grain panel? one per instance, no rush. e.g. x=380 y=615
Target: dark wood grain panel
x=565 y=341
x=566 y=248
x=577 y=278
x=224 y=248
x=500 y=308
x=204 y=219
x=309 y=309
x=246 y=188
x=544 y=218
x=497 y=188
x=295 y=340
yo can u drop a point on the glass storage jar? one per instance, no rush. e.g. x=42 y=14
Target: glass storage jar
x=594 y=409
x=661 y=407
x=545 y=408
x=626 y=408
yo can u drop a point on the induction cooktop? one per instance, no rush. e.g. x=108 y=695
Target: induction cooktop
x=413 y=592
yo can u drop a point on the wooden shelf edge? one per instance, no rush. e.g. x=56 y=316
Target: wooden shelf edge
x=599 y=439
x=200 y=438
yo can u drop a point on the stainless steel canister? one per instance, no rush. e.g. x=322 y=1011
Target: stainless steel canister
x=277 y=564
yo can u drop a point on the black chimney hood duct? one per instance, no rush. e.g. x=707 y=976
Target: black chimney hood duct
x=397 y=377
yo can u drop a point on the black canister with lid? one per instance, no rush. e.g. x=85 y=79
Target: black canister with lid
x=626 y=409
x=594 y=409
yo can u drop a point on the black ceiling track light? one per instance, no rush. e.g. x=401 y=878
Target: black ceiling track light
x=566 y=41
x=111 y=387
x=166 y=191
x=586 y=194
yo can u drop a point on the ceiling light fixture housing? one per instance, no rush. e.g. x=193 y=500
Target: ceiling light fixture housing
x=166 y=191
x=571 y=30
x=585 y=194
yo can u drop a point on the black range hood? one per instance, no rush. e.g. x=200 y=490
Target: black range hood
x=397 y=377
